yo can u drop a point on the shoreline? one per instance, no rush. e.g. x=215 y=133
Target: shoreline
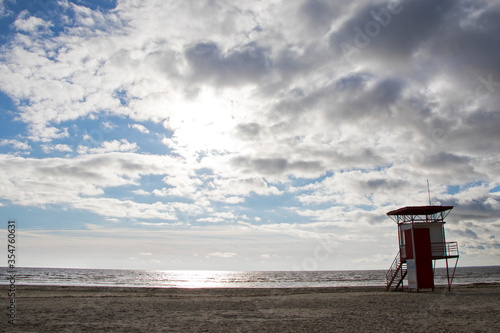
x=56 y=291
x=470 y=307
x=354 y=287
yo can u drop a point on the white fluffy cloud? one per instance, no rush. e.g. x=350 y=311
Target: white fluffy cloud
x=109 y=146
x=16 y=144
x=140 y=128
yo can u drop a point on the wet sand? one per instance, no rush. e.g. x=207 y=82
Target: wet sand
x=470 y=308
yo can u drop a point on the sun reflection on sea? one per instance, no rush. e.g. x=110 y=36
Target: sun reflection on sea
x=196 y=279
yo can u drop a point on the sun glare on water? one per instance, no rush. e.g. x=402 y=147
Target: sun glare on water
x=195 y=279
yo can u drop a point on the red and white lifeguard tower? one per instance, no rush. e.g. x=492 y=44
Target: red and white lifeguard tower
x=421 y=242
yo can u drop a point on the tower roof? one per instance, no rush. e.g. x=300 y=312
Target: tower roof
x=419 y=210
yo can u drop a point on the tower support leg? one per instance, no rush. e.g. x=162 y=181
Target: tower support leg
x=448 y=275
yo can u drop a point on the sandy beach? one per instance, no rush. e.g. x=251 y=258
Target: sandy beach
x=470 y=308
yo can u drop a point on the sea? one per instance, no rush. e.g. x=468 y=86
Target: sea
x=227 y=279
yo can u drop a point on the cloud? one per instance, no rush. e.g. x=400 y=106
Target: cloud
x=219 y=217
x=273 y=166
x=31 y=24
x=467 y=233
x=242 y=186
x=92 y=226
x=57 y=147
x=246 y=64
x=126 y=209
x=222 y=255
x=394 y=29
x=57 y=180
x=40 y=132
x=4 y=10
x=109 y=146
x=319 y=14
x=248 y=131
x=16 y=144
x=108 y=125
x=141 y=192
x=140 y=128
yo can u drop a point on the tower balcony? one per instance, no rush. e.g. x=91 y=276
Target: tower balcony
x=439 y=251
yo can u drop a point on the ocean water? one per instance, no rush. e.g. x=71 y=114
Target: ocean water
x=228 y=279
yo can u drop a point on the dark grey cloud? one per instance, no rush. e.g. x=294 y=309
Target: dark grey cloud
x=318 y=14
x=290 y=62
x=486 y=122
x=275 y=166
x=353 y=81
x=248 y=131
x=470 y=41
x=291 y=103
x=358 y=156
x=477 y=133
x=445 y=40
x=359 y=98
x=448 y=162
x=351 y=100
x=248 y=64
x=469 y=233
x=387 y=91
x=478 y=209
x=92 y=168
x=164 y=59
x=392 y=29
x=457 y=39
x=383 y=184
x=78 y=172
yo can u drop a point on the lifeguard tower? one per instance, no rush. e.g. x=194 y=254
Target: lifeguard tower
x=421 y=242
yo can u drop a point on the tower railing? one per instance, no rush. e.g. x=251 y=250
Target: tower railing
x=439 y=251
x=444 y=250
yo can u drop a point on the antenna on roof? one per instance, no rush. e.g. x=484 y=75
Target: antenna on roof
x=429 y=192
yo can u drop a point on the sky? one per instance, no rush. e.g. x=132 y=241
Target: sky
x=246 y=135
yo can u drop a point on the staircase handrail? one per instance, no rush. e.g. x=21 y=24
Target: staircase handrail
x=393 y=268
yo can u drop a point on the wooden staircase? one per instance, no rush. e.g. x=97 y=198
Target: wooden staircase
x=397 y=272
